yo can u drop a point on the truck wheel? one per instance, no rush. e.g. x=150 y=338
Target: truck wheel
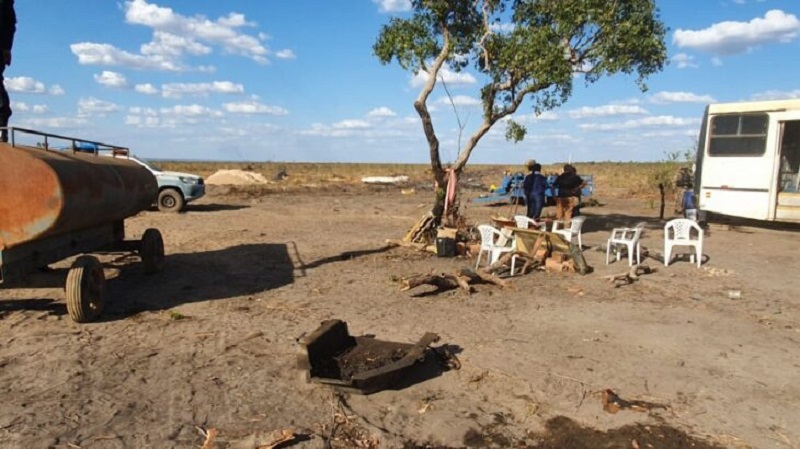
x=85 y=289
x=170 y=200
x=151 y=250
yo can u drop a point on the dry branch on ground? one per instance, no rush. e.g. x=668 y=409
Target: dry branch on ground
x=630 y=276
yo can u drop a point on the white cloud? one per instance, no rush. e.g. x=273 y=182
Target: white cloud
x=222 y=32
x=716 y=61
x=25 y=84
x=142 y=122
x=728 y=38
x=56 y=90
x=177 y=90
x=502 y=28
x=393 y=5
x=111 y=79
x=193 y=110
x=285 y=54
x=147 y=89
x=683 y=61
x=90 y=53
x=174 y=37
x=776 y=95
x=606 y=111
x=93 y=106
x=351 y=128
x=169 y=45
x=352 y=124
x=24 y=107
x=254 y=107
x=459 y=100
x=680 y=97
x=547 y=116
x=142 y=111
x=450 y=78
x=55 y=122
x=382 y=111
x=662 y=120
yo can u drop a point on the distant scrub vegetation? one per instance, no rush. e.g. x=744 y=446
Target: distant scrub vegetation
x=635 y=179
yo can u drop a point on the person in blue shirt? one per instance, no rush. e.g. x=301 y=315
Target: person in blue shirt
x=534 y=186
x=8 y=26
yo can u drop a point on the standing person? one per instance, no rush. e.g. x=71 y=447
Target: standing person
x=8 y=26
x=569 y=186
x=534 y=186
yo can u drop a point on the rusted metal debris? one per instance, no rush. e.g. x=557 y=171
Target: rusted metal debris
x=361 y=364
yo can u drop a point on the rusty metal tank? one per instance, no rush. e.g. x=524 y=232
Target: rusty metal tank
x=46 y=193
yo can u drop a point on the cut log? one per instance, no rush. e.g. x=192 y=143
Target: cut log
x=463 y=279
x=631 y=276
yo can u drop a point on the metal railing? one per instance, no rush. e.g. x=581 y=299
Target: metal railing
x=93 y=146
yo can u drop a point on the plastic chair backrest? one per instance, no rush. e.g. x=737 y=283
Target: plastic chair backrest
x=487 y=235
x=576 y=223
x=639 y=230
x=682 y=228
x=522 y=221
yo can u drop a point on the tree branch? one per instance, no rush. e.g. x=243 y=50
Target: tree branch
x=421 y=107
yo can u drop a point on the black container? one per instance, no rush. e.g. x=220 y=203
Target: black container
x=445 y=247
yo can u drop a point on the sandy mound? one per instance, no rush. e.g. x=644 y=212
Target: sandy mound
x=236 y=177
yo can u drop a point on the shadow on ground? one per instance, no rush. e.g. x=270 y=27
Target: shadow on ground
x=48 y=305
x=201 y=276
x=214 y=207
x=564 y=433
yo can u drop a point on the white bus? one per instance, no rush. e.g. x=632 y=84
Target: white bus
x=748 y=160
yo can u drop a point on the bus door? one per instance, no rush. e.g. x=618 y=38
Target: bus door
x=788 y=188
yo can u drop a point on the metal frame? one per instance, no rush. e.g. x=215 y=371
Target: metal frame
x=115 y=149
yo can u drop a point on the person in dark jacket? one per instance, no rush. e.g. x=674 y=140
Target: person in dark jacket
x=569 y=186
x=8 y=26
x=534 y=186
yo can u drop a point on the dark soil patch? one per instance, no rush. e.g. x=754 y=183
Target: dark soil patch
x=564 y=433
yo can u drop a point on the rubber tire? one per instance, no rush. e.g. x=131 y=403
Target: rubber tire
x=85 y=289
x=151 y=250
x=170 y=200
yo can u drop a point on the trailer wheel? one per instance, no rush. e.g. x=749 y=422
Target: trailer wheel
x=170 y=200
x=151 y=250
x=86 y=288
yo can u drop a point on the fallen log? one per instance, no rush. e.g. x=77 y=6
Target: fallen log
x=463 y=279
x=630 y=276
x=503 y=264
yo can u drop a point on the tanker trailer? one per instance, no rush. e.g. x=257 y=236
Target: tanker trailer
x=55 y=204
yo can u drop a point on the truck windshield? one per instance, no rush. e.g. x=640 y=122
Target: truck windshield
x=149 y=164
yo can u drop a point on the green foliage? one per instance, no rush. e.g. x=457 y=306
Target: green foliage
x=515 y=132
x=547 y=42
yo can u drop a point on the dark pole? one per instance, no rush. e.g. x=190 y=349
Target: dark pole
x=661 y=191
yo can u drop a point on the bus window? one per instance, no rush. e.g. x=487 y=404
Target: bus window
x=738 y=135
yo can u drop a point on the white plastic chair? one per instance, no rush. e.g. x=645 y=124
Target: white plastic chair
x=681 y=235
x=527 y=223
x=629 y=238
x=574 y=229
x=493 y=242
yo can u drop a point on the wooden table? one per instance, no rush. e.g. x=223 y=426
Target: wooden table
x=526 y=240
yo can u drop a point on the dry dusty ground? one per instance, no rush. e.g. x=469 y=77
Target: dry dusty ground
x=211 y=342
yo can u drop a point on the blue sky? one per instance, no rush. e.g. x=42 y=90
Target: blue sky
x=297 y=81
